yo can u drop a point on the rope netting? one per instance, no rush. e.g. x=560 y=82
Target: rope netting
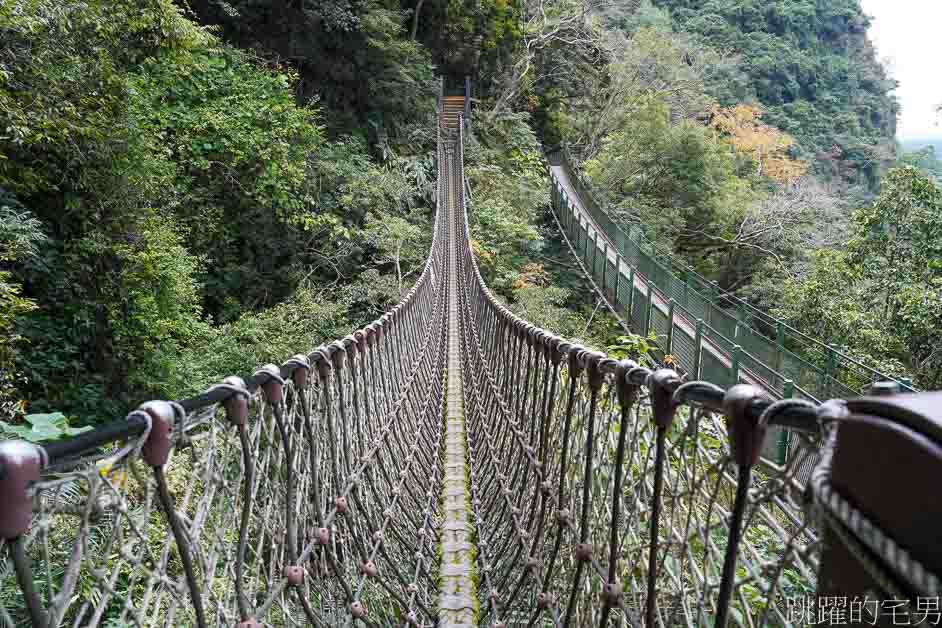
x=607 y=494
x=306 y=496
x=598 y=492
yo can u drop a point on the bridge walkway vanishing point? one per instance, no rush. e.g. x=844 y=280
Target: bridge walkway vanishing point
x=452 y=465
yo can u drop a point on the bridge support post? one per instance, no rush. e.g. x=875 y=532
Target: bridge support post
x=697 y=349
x=669 y=345
x=734 y=368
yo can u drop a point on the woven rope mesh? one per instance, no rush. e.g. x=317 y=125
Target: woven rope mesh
x=322 y=506
x=563 y=484
x=338 y=476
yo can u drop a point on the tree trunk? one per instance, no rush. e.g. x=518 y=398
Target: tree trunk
x=415 y=17
x=399 y=266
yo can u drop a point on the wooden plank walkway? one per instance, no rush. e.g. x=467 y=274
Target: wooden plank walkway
x=456 y=604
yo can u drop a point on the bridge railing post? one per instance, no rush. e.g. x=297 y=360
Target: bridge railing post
x=467 y=100
x=746 y=436
x=585 y=248
x=647 y=308
x=784 y=436
x=829 y=372
x=617 y=280
x=595 y=256
x=669 y=344
x=687 y=289
x=604 y=268
x=734 y=366
x=697 y=350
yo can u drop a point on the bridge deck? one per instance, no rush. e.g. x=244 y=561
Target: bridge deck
x=456 y=606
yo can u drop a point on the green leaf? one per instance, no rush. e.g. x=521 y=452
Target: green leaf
x=42 y=427
x=41 y=420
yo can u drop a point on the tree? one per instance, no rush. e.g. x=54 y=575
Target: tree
x=181 y=184
x=400 y=243
x=776 y=233
x=654 y=61
x=671 y=178
x=766 y=146
x=899 y=237
x=20 y=239
x=545 y=24
x=925 y=159
x=881 y=298
x=356 y=59
x=814 y=71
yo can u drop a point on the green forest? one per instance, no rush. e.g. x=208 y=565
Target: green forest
x=189 y=189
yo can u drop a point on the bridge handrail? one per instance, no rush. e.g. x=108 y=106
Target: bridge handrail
x=684 y=583
x=659 y=386
x=635 y=246
x=247 y=427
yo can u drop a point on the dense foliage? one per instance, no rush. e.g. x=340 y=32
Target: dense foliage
x=191 y=188
x=749 y=138
x=926 y=160
x=157 y=182
x=521 y=256
x=355 y=58
x=882 y=297
x=814 y=71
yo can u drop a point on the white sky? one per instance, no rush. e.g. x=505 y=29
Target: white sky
x=907 y=36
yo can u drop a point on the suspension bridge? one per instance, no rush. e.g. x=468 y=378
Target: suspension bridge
x=453 y=465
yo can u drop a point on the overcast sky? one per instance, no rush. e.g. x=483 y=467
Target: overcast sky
x=907 y=35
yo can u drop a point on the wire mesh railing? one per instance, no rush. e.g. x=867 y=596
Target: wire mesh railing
x=608 y=494
x=777 y=352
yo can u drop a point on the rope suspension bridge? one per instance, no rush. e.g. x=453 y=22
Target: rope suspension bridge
x=453 y=465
